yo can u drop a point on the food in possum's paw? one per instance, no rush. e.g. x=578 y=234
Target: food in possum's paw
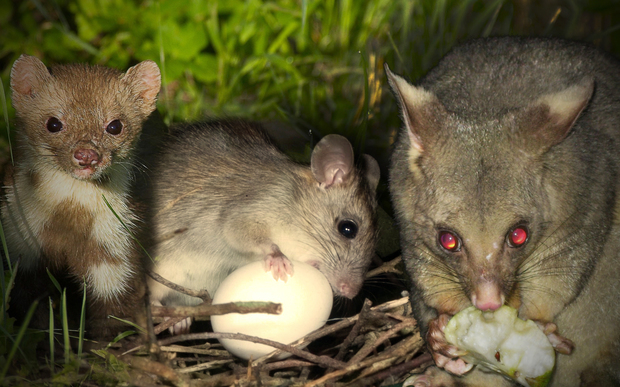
x=502 y=342
x=306 y=299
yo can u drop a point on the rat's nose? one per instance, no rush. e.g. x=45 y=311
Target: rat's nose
x=347 y=288
x=86 y=157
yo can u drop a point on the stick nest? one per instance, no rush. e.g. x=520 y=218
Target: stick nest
x=377 y=347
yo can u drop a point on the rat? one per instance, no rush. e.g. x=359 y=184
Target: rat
x=78 y=127
x=230 y=196
x=504 y=182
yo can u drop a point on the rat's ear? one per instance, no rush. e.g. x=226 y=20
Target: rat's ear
x=420 y=110
x=28 y=75
x=145 y=80
x=373 y=172
x=548 y=121
x=332 y=160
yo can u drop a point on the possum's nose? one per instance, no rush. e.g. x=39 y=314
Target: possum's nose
x=86 y=157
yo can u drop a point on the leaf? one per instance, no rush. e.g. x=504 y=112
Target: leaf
x=205 y=68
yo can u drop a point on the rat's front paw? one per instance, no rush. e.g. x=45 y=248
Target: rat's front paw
x=560 y=343
x=446 y=355
x=278 y=264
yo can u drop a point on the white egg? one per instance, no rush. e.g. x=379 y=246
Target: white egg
x=306 y=299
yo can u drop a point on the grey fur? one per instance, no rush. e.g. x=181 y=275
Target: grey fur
x=494 y=154
x=235 y=194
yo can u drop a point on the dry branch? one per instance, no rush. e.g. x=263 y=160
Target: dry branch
x=323 y=361
x=210 y=310
x=202 y=294
x=388 y=267
x=378 y=343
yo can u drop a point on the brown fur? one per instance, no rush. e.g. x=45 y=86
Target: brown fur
x=53 y=213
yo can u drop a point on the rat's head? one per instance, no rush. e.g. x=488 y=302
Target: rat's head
x=82 y=119
x=337 y=214
x=475 y=198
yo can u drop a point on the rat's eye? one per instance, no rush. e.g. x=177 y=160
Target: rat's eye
x=348 y=228
x=517 y=236
x=115 y=127
x=53 y=125
x=449 y=241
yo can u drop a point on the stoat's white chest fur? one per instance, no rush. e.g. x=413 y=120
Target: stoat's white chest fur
x=35 y=198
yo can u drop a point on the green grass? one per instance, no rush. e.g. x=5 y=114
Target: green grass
x=315 y=65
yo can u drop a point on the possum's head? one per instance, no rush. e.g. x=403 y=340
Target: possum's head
x=335 y=215
x=82 y=119
x=486 y=200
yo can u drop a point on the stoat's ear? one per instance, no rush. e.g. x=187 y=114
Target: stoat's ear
x=28 y=76
x=332 y=160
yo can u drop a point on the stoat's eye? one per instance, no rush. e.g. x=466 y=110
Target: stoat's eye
x=53 y=125
x=449 y=241
x=517 y=236
x=115 y=127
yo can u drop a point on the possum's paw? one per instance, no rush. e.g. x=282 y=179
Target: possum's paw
x=446 y=355
x=278 y=264
x=181 y=328
x=560 y=343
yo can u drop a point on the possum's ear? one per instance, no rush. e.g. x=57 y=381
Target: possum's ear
x=332 y=160
x=28 y=75
x=421 y=110
x=145 y=80
x=548 y=121
x=373 y=172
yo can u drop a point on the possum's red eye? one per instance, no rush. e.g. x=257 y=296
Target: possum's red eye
x=115 y=127
x=449 y=241
x=517 y=236
x=53 y=125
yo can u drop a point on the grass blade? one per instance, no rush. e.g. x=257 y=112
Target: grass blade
x=65 y=327
x=54 y=281
x=18 y=339
x=5 y=111
x=51 y=336
x=7 y=290
x=82 y=324
x=127 y=228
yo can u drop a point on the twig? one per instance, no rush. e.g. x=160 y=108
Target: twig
x=167 y=324
x=329 y=329
x=354 y=331
x=149 y=319
x=394 y=372
x=204 y=366
x=199 y=351
x=202 y=294
x=210 y=310
x=362 y=353
x=387 y=267
x=323 y=361
x=285 y=364
x=155 y=368
x=410 y=345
